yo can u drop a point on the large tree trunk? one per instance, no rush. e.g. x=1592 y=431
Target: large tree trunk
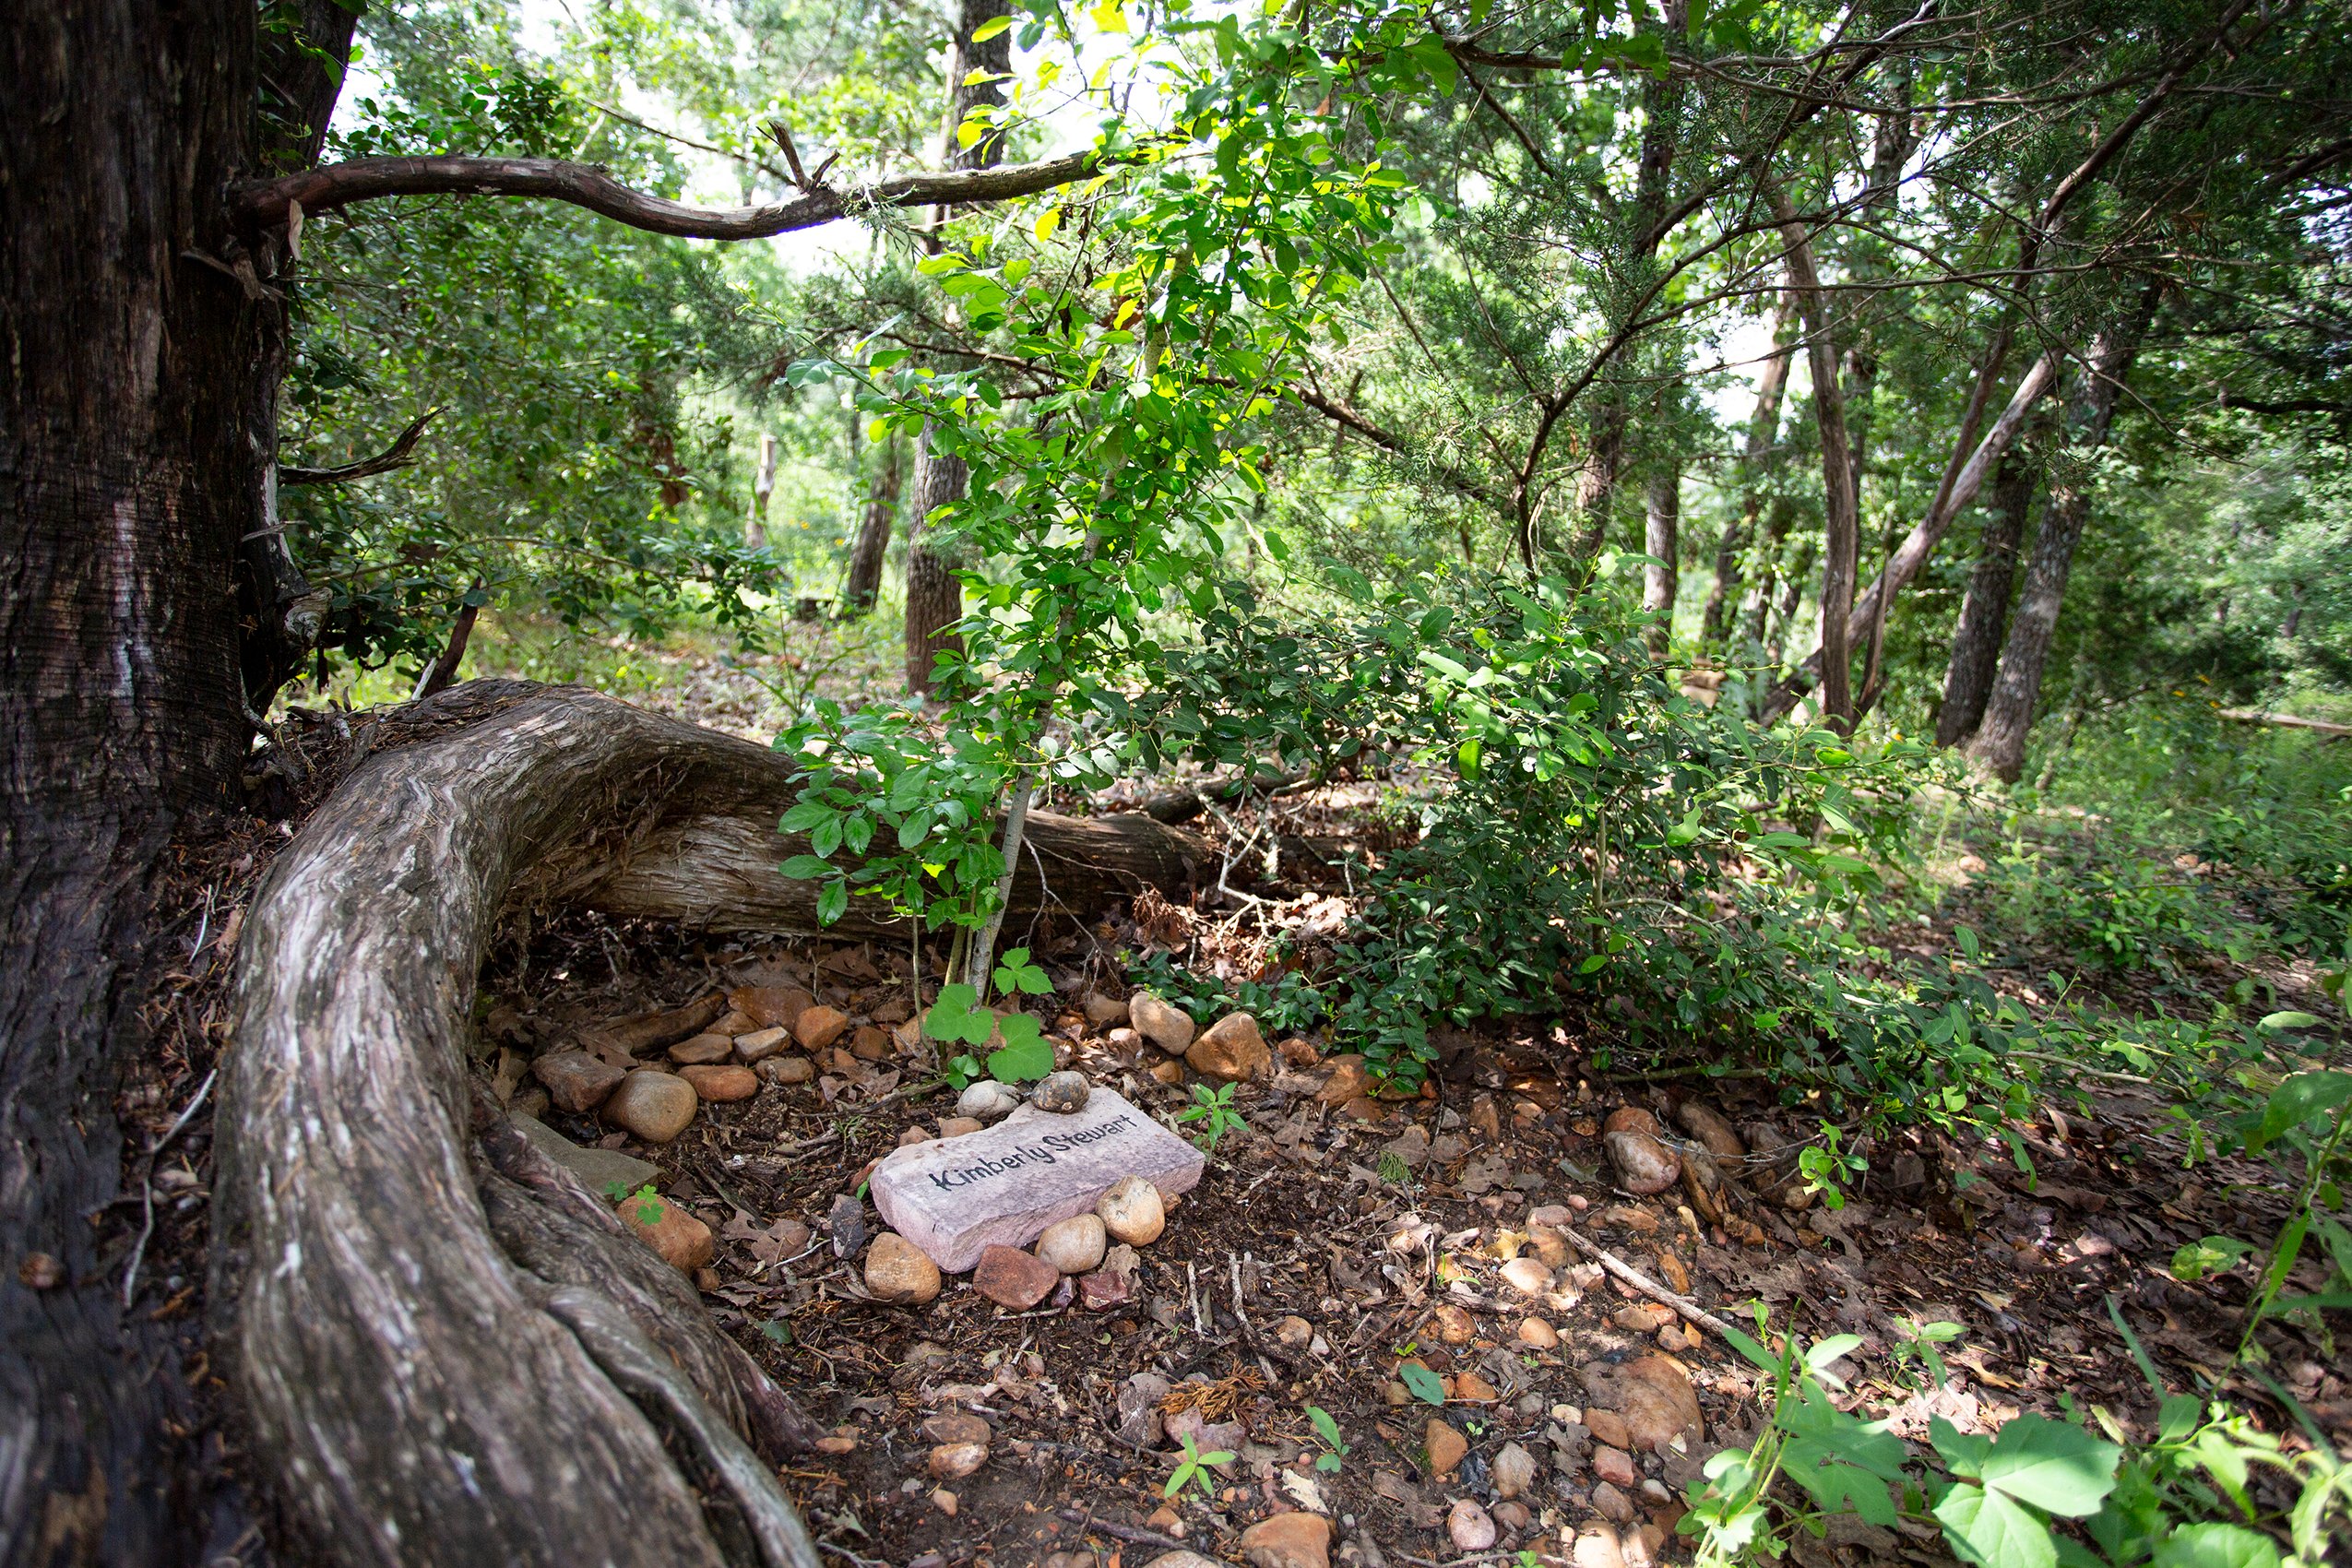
x=442 y=1344
x=874 y=534
x=934 y=596
x=1999 y=744
x=1984 y=611
x=135 y=454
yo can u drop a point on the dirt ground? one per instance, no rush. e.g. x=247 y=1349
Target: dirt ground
x=1384 y=1238
x=1387 y=1260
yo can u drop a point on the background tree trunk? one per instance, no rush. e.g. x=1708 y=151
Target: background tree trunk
x=419 y=1318
x=1605 y=432
x=934 y=598
x=1984 y=613
x=1755 y=464
x=1999 y=744
x=763 y=487
x=874 y=534
x=1840 y=523
x=1661 y=538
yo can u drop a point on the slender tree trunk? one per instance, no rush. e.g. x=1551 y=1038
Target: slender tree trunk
x=147 y=593
x=1999 y=744
x=1755 y=463
x=1984 y=613
x=1792 y=595
x=1605 y=432
x=1780 y=516
x=1840 y=525
x=1661 y=540
x=934 y=597
x=763 y=487
x=874 y=534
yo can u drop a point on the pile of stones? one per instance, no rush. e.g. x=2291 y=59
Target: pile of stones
x=1043 y=1197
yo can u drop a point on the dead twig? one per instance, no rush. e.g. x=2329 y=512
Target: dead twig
x=1133 y=1534
x=1646 y=1286
x=147 y=1188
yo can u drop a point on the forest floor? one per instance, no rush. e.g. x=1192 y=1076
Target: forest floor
x=1328 y=1247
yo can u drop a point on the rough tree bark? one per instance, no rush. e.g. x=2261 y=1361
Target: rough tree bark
x=864 y=580
x=1984 y=611
x=448 y=1351
x=1999 y=744
x=934 y=597
x=137 y=462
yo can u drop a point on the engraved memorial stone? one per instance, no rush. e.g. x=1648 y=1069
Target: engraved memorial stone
x=1004 y=1186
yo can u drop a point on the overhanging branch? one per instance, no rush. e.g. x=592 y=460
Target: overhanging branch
x=265 y=203
x=393 y=457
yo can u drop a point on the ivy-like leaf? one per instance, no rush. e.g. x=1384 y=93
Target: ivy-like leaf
x=1026 y=1054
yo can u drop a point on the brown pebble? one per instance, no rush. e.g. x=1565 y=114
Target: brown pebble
x=721 y=1083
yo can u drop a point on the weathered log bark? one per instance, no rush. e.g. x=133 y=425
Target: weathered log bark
x=447 y=1349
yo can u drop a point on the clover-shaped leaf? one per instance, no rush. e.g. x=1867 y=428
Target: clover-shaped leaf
x=1017 y=973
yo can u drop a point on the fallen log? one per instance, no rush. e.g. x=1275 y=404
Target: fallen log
x=445 y=1350
x=2286 y=721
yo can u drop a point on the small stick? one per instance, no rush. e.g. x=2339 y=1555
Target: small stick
x=1136 y=1534
x=147 y=1188
x=1645 y=1285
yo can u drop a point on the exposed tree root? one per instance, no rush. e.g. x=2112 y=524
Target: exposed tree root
x=448 y=1349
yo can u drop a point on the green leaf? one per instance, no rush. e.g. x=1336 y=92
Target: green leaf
x=2053 y=1464
x=2296 y=1102
x=1026 y=1055
x=801 y=868
x=1989 y=1530
x=805 y=815
x=833 y=902
x=2217 y=1545
x=1327 y=1428
x=991 y=28
x=2290 y=1020
x=1423 y=1383
x=2208 y=1255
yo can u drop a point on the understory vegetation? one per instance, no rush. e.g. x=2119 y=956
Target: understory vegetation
x=1471 y=422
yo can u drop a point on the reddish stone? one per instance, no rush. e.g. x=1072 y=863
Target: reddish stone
x=1103 y=1289
x=721 y=1083
x=770 y=1005
x=819 y=1027
x=576 y=1081
x=1015 y=1279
